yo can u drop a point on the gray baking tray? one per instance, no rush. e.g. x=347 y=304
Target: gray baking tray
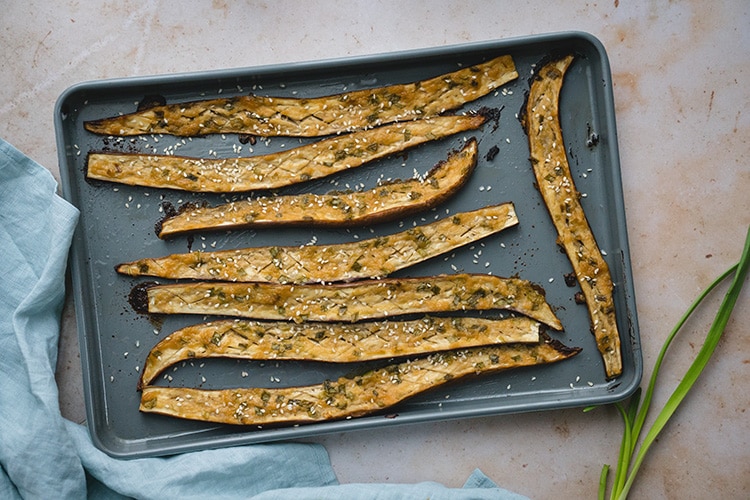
x=117 y=225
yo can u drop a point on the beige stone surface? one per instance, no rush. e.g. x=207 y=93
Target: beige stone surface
x=682 y=88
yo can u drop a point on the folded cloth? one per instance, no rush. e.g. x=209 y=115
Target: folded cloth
x=42 y=455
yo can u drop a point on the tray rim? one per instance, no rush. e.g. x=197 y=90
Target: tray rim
x=316 y=429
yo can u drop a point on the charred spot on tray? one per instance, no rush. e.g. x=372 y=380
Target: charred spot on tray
x=245 y=138
x=570 y=279
x=592 y=138
x=491 y=115
x=138 y=296
x=492 y=153
x=169 y=209
x=573 y=155
x=151 y=101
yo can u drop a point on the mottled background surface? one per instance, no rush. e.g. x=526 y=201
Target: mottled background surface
x=681 y=75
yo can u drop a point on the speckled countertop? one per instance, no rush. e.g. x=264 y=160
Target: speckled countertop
x=681 y=75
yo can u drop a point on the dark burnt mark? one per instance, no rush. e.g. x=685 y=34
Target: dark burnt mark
x=138 y=296
x=151 y=101
x=245 y=138
x=592 y=138
x=570 y=279
x=169 y=211
x=559 y=346
x=573 y=155
x=491 y=115
x=492 y=153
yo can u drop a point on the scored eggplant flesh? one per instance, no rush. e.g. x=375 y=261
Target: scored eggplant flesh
x=371 y=258
x=370 y=299
x=274 y=170
x=332 y=342
x=346 y=397
x=315 y=116
x=385 y=202
x=555 y=182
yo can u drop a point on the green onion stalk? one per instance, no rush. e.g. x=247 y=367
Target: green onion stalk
x=634 y=412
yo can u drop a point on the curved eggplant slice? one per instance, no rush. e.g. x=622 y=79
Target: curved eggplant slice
x=371 y=299
x=371 y=258
x=383 y=203
x=332 y=342
x=346 y=397
x=317 y=116
x=274 y=170
x=553 y=176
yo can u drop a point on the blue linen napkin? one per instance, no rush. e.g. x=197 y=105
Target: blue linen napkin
x=42 y=455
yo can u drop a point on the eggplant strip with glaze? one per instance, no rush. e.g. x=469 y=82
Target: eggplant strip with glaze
x=316 y=116
x=553 y=176
x=371 y=299
x=346 y=397
x=332 y=342
x=371 y=258
x=385 y=202
x=274 y=170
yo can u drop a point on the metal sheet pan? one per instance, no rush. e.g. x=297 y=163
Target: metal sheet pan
x=117 y=225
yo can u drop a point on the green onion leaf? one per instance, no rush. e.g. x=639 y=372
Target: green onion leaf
x=634 y=417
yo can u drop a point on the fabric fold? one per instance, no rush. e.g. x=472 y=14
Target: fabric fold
x=36 y=228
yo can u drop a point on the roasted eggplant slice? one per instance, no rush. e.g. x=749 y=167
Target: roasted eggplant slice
x=317 y=116
x=372 y=258
x=346 y=397
x=383 y=203
x=371 y=299
x=553 y=176
x=332 y=342
x=283 y=168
